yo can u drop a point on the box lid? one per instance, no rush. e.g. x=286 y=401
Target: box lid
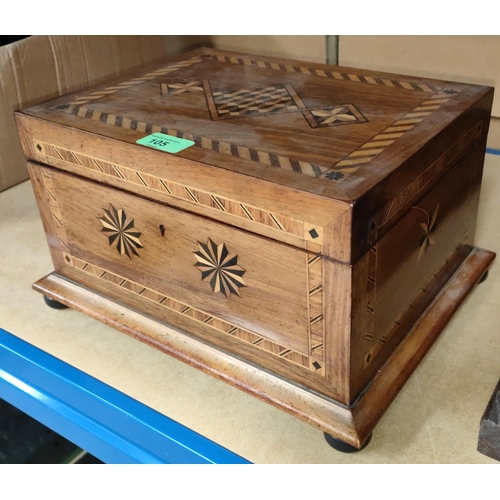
x=344 y=137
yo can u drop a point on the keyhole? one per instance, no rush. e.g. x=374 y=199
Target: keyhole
x=162 y=230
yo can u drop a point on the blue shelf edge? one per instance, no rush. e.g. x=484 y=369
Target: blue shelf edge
x=105 y=422
x=493 y=151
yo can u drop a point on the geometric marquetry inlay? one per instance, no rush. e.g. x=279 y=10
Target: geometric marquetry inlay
x=158 y=298
x=332 y=116
x=428 y=228
x=314 y=361
x=257 y=101
x=261 y=101
x=219 y=268
x=181 y=88
x=120 y=230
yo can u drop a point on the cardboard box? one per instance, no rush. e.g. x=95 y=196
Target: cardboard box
x=301 y=47
x=470 y=59
x=42 y=67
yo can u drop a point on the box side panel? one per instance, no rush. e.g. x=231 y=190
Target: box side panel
x=375 y=213
x=256 y=284
x=399 y=276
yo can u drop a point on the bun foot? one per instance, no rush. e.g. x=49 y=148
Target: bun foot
x=484 y=277
x=53 y=303
x=342 y=446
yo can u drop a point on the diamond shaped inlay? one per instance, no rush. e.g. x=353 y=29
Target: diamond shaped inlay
x=258 y=101
x=331 y=116
x=219 y=268
x=314 y=234
x=263 y=101
x=316 y=365
x=181 y=88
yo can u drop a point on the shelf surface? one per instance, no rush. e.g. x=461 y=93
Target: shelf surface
x=107 y=423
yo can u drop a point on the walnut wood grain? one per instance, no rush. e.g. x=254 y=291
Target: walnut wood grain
x=264 y=208
x=348 y=159
x=406 y=357
x=320 y=218
x=396 y=280
x=160 y=275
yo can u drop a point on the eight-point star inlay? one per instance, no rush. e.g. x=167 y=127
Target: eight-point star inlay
x=219 y=268
x=120 y=230
x=428 y=229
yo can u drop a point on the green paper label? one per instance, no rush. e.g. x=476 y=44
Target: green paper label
x=165 y=142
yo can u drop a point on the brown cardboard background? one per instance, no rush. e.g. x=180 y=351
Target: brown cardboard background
x=302 y=47
x=470 y=59
x=42 y=67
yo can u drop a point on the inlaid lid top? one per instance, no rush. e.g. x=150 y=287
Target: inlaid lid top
x=325 y=129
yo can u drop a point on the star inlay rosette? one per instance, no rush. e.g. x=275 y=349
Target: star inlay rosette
x=120 y=230
x=428 y=229
x=219 y=268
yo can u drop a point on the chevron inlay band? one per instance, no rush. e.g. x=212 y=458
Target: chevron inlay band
x=381 y=141
x=351 y=77
x=227 y=148
x=134 y=81
x=184 y=309
x=278 y=222
x=315 y=307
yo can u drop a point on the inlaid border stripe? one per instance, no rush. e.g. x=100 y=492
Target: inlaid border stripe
x=197 y=315
x=262 y=157
x=134 y=81
x=277 y=222
x=325 y=73
x=394 y=131
x=315 y=309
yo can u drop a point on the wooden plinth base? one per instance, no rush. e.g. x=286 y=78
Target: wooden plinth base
x=352 y=425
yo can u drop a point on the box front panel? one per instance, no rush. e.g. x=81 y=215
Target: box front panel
x=252 y=296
